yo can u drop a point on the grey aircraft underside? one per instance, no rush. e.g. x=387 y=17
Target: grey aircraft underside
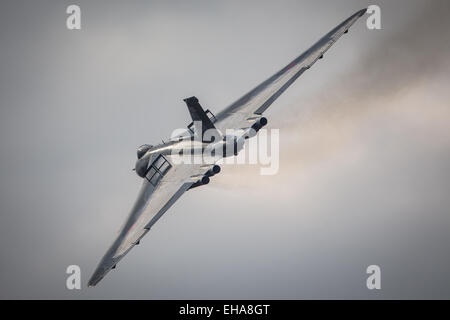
x=165 y=180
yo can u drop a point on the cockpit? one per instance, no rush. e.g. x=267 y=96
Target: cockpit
x=158 y=169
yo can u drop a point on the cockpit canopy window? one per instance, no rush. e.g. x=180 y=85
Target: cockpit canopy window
x=157 y=170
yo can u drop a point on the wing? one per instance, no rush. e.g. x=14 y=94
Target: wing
x=254 y=103
x=157 y=195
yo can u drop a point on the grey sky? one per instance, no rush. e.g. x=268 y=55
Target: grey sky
x=364 y=174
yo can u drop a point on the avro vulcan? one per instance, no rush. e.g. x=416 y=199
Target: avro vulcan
x=165 y=180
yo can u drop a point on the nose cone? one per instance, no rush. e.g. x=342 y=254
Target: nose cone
x=142 y=150
x=142 y=165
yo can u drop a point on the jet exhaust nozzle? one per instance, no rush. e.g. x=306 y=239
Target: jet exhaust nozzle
x=259 y=124
x=204 y=180
x=213 y=171
x=256 y=127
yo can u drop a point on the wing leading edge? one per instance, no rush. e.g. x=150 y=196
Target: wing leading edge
x=151 y=203
x=255 y=102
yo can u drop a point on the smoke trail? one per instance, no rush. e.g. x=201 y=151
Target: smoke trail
x=399 y=74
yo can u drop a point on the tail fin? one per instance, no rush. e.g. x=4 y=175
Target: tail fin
x=200 y=118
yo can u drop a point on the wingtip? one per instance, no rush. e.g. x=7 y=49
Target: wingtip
x=91 y=283
x=362 y=11
x=95 y=279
